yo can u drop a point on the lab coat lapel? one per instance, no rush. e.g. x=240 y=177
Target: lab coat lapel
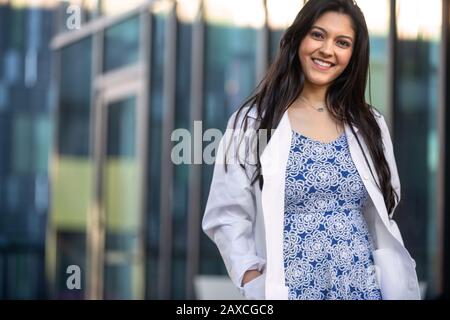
x=364 y=172
x=273 y=165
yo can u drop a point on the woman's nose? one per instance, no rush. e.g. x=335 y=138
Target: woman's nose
x=327 y=48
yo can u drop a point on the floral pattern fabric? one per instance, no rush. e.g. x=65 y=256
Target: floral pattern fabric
x=327 y=246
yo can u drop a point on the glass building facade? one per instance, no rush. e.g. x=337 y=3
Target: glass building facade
x=25 y=134
x=91 y=92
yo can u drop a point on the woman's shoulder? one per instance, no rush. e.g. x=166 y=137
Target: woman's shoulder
x=381 y=121
x=378 y=115
x=247 y=113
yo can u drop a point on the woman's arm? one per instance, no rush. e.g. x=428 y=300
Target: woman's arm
x=230 y=213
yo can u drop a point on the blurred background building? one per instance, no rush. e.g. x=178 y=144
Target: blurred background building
x=91 y=90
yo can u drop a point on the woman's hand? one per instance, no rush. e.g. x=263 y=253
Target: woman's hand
x=249 y=275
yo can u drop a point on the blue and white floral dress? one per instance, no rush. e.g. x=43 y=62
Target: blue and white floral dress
x=327 y=246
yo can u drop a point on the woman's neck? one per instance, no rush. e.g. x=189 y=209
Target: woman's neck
x=314 y=95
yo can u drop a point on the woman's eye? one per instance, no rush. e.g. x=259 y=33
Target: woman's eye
x=344 y=44
x=316 y=35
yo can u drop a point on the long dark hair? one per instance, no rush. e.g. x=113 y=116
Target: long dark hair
x=345 y=98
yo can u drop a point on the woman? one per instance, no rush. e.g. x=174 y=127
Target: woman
x=311 y=218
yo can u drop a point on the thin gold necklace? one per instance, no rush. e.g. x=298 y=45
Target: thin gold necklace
x=318 y=109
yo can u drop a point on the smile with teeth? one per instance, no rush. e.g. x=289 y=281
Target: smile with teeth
x=322 y=63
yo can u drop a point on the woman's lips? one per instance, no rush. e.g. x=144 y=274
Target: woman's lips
x=322 y=67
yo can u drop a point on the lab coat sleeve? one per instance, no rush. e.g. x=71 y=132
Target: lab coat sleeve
x=229 y=216
x=395 y=179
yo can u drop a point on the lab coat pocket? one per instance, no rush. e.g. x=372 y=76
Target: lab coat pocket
x=387 y=272
x=255 y=289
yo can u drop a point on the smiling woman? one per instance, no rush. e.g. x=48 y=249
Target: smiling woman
x=312 y=218
x=327 y=47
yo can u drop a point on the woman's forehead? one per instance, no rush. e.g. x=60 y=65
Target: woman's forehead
x=335 y=23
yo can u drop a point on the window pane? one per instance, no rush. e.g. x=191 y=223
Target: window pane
x=122 y=44
x=121 y=124
x=121 y=277
x=75 y=99
x=21 y=148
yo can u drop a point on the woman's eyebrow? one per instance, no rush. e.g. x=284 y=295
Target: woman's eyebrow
x=340 y=36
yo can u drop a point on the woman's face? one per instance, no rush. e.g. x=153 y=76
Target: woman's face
x=326 y=50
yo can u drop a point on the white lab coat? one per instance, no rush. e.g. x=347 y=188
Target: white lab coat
x=246 y=223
